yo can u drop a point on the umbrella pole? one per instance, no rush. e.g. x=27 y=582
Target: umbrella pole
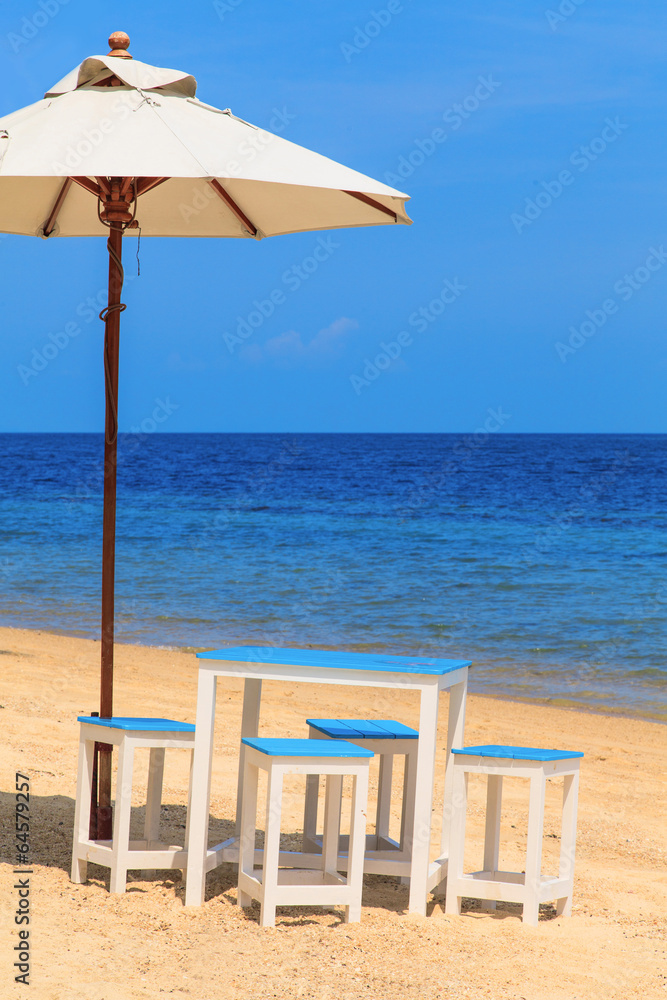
x=111 y=351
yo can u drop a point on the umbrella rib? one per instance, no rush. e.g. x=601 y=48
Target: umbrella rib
x=145 y=184
x=90 y=186
x=229 y=201
x=50 y=223
x=374 y=204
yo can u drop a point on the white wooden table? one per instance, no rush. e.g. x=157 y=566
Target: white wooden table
x=257 y=663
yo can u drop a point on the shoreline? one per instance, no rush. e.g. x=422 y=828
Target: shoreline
x=551 y=701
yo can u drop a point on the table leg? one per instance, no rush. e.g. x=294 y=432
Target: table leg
x=455 y=724
x=197 y=841
x=428 y=728
x=252 y=696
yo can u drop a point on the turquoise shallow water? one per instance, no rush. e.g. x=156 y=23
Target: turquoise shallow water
x=541 y=558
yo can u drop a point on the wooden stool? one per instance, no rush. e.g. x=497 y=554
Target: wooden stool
x=530 y=888
x=319 y=882
x=120 y=853
x=386 y=738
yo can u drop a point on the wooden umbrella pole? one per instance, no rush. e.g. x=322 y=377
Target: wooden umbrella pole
x=117 y=216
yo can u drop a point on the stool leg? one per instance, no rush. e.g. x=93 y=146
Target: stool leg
x=407 y=813
x=247 y=818
x=355 y=864
x=408 y=809
x=252 y=696
x=332 y=808
x=274 y=794
x=153 y=800
x=494 y=793
x=187 y=815
x=84 y=783
x=383 y=811
x=309 y=843
x=456 y=838
x=121 y=827
x=568 y=839
x=531 y=902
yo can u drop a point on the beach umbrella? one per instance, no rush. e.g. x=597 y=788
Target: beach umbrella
x=119 y=146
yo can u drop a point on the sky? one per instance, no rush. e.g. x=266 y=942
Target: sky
x=529 y=295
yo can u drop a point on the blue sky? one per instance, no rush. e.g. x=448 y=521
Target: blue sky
x=532 y=140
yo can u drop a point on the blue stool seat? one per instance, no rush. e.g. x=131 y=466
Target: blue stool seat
x=387 y=738
x=306 y=748
x=363 y=729
x=139 y=725
x=517 y=753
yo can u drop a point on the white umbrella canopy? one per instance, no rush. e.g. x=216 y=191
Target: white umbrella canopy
x=119 y=145
x=197 y=171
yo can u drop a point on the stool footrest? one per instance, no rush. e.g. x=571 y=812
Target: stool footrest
x=138 y=855
x=507 y=887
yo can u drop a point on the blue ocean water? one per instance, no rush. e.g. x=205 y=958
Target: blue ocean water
x=541 y=558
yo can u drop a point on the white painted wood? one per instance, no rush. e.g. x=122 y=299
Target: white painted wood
x=120 y=854
x=332 y=810
x=252 y=697
x=494 y=795
x=154 y=794
x=355 y=875
x=425 y=772
x=456 y=840
x=408 y=807
x=84 y=785
x=310 y=840
x=153 y=798
x=319 y=883
x=201 y=789
x=201 y=859
x=530 y=888
x=534 y=848
x=274 y=793
x=121 y=819
x=383 y=810
x=184 y=871
x=568 y=841
x=455 y=726
x=246 y=856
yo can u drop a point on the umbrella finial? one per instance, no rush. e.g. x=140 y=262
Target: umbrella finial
x=119 y=43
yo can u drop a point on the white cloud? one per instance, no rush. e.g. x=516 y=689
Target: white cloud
x=288 y=349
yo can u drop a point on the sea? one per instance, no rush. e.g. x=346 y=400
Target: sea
x=541 y=558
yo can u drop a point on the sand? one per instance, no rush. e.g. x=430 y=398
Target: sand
x=89 y=945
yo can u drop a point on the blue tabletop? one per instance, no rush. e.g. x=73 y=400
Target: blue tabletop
x=335 y=660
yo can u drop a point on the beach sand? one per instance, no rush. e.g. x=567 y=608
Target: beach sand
x=89 y=945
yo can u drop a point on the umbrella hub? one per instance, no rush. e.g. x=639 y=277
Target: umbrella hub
x=116 y=201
